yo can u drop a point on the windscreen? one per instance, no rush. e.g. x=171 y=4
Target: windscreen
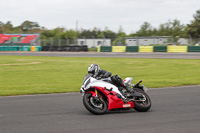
x=87 y=76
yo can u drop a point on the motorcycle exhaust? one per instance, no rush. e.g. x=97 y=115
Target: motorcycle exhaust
x=138 y=100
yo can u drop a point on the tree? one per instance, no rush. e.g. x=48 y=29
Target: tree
x=28 y=25
x=95 y=33
x=1 y=27
x=18 y=30
x=121 y=32
x=193 y=29
x=145 y=29
x=174 y=29
x=109 y=34
x=101 y=35
x=6 y=28
x=120 y=40
x=70 y=34
x=47 y=34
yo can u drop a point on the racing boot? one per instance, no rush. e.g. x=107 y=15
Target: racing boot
x=123 y=99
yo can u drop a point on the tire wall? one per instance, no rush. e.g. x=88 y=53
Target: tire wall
x=145 y=48
x=132 y=48
x=160 y=49
x=193 y=48
x=177 y=49
x=171 y=49
x=105 y=48
x=65 y=48
x=118 y=48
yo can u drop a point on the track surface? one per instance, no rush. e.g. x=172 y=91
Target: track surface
x=174 y=110
x=109 y=54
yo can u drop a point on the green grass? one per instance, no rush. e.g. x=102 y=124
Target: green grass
x=65 y=74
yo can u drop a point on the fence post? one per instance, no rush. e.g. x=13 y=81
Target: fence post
x=190 y=40
x=59 y=42
x=93 y=41
x=51 y=41
x=84 y=40
x=67 y=41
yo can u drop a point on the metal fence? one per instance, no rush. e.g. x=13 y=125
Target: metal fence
x=58 y=42
x=82 y=41
x=121 y=41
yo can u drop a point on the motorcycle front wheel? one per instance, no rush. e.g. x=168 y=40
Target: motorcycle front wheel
x=142 y=106
x=95 y=105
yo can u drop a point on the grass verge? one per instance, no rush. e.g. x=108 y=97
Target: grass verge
x=20 y=75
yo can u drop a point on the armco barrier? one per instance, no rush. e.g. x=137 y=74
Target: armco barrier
x=2 y=48
x=38 y=48
x=145 y=48
x=9 y=48
x=132 y=48
x=65 y=48
x=193 y=48
x=26 y=48
x=105 y=49
x=160 y=49
x=20 y=48
x=176 y=49
x=118 y=48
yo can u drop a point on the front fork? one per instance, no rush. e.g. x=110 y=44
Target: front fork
x=97 y=97
x=96 y=92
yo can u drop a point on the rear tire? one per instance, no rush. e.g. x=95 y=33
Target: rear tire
x=89 y=105
x=142 y=106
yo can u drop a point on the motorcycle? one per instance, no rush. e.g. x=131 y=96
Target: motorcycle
x=101 y=95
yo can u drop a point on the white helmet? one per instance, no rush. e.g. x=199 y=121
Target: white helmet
x=94 y=69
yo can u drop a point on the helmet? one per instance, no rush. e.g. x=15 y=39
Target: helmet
x=94 y=69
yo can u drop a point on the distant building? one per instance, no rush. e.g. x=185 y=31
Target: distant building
x=94 y=42
x=183 y=41
x=144 y=41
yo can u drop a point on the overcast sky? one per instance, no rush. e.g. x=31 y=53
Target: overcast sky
x=130 y=14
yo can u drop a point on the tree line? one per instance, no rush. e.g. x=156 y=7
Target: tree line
x=173 y=28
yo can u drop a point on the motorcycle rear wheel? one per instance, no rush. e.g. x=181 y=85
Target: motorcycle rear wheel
x=95 y=108
x=142 y=106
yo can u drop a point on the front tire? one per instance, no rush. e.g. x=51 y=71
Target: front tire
x=97 y=108
x=142 y=106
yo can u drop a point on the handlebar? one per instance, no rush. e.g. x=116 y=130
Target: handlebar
x=138 y=83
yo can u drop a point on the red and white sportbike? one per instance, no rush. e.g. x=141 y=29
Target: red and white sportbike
x=100 y=95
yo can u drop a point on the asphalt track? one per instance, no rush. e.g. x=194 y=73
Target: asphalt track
x=174 y=110
x=108 y=54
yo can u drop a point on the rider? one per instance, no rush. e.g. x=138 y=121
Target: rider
x=95 y=70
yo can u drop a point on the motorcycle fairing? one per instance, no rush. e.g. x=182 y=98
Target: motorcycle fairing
x=113 y=101
x=102 y=84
